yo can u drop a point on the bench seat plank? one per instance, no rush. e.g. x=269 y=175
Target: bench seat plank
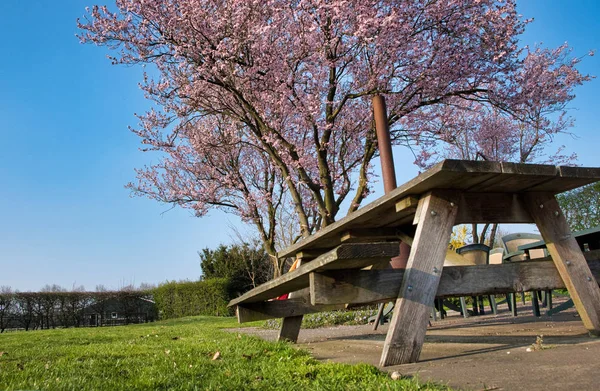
x=345 y=256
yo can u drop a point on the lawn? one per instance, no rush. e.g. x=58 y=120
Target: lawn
x=174 y=355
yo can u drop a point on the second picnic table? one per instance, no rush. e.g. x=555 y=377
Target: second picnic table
x=422 y=213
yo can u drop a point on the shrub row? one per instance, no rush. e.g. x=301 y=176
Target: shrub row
x=207 y=297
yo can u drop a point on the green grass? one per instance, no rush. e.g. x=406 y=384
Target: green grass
x=174 y=355
x=329 y=318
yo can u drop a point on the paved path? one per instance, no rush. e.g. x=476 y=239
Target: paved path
x=485 y=352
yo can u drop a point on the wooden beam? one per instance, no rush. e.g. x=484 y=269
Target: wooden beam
x=345 y=256
x=407 y=203
x=492 y=207
x=373 y=286
x=406 y=333
x=307 y=255
x=363 y=235
x=567 y=257
x=280 y=309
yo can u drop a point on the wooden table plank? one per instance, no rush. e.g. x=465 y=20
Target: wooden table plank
x=345 y=256
x=517 y=177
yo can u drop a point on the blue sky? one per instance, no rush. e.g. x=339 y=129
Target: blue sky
x=65 y=216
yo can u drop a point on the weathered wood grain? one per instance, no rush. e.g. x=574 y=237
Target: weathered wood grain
x=567 y=257
x=410 y=202
x=290 y=328
x=517 y=177
x=345 y=256
x=373 y=286
x=281 y=309
x=492 y=207
x=361 y=235
x=406 y=333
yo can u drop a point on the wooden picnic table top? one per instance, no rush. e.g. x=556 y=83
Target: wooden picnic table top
x=462 y=175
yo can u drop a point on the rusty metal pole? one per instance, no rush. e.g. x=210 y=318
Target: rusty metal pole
x=384 y=143
x=389 y=177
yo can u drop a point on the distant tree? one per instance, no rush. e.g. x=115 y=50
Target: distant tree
x=245 y=265
x=25 y=309
x=473 y=131
x=581 y=207
x=7 y=299
x=48 y=305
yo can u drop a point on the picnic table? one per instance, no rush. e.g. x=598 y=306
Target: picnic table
x=334 y=261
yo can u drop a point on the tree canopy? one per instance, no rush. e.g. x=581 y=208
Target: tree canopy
x=581 y=207
x=244 y=265
x=261 y=103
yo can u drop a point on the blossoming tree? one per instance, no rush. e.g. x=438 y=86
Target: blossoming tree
x=263 y=101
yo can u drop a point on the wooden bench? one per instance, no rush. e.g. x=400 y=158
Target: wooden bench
x=422 y=213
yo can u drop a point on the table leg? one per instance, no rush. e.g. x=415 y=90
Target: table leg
x=535 y=304
x=463 y=307
x=567 y=257
x=436 y=213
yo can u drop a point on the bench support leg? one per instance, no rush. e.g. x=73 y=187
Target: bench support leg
x=436 y=213
x=290 y=328
x=567 y=257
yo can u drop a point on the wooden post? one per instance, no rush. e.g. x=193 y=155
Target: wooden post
x=567 y=257
x=406 y=334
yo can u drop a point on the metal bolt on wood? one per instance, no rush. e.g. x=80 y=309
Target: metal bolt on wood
x=541 y=206
x=568 y=263
x=409 y=288
x=435 y=270
x=589 y=278
x=556 y=213
x=433 y=213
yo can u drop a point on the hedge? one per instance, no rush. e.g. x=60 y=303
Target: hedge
x=207 y=297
